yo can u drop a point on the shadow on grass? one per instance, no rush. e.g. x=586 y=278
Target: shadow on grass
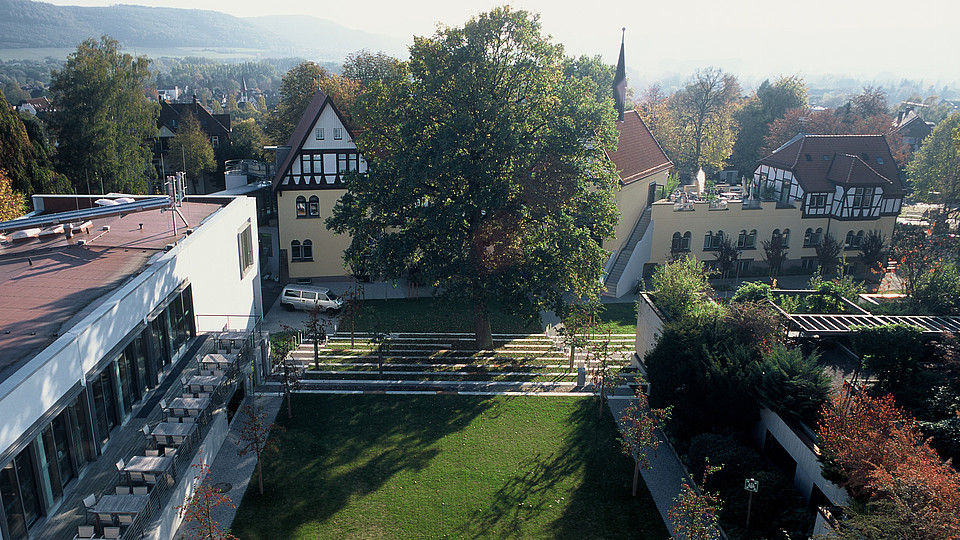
x=601 y=506
x=337 y=448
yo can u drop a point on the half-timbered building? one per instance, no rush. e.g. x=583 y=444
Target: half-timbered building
x=308 y=183
x=812 y=186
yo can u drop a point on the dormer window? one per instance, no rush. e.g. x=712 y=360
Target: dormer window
x=879 y=161
x=826 y=157
x=809 y=157
x=338 y=134
x=319 y=133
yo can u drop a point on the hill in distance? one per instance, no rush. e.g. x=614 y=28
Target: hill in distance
x=25 y=24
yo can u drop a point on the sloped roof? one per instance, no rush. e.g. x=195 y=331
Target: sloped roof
x=821 y=162
x=638 y=153
x=303 y=129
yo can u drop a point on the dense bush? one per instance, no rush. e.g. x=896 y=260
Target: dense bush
x=776 y=507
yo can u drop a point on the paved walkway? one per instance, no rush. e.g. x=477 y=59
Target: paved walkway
x=231 y=468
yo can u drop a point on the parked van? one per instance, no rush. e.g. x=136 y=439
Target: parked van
x=307 y=296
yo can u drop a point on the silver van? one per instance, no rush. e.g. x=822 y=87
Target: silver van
x=305 y=297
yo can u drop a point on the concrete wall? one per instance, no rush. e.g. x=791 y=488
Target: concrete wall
x=808 y=467
x=649 y=325
x=735 y=218
x=165 y=527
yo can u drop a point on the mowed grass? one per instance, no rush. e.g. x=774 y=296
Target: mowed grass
x=438 y=315
x=378 y=466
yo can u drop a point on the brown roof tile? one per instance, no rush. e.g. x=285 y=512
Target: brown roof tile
x=638 y=154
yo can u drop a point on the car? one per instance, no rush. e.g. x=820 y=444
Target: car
x=307 y=296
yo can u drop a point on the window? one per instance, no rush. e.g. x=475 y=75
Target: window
x=818 y=201
x=319 y=133
x=245 y=245
x=712 y=241
x=295 y=253
x=215 y=141
x=853 y=241
x=338 y=133
x=781 y=237
x=826 y=157
x=862 y=198
x=680 y=242
x=314 y=206
x=812 y=238
x=879 y=161
x=747 y=240
x=301 y=206
x=307 y=251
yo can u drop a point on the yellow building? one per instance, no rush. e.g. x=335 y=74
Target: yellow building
x=308 y=184
x=812 y=186
x=642 y=166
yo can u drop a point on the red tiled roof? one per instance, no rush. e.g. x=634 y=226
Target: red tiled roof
x=638 y=154
x=821 y=162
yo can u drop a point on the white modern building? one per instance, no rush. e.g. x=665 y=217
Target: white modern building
x=96 y=306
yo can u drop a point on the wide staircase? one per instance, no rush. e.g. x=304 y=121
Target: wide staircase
x=451 y=363
x=623 y=256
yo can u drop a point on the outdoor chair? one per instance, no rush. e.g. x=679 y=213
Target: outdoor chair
x=149 y=478
x=179 y=412
x=151 y=452
x=123 y=490
x=121 y=465
x=111 y=532
x=169 y=452
x=125 y=520
x=163 y=404
x=85 y=531
x=188 y=420
x=135 y=477
x=105 y=518
x=140 y=490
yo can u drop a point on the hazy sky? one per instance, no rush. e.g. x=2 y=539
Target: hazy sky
x=861 y=38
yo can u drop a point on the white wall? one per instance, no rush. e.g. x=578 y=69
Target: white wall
x=209 y=258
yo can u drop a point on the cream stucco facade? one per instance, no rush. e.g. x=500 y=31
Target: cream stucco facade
x=631 y=201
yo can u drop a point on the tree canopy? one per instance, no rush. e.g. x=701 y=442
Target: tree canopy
x=935 y=167
x=770 y=102
x=24 y=154
x=191 y=151
x=104 y=122
x=298 y=87
x=487 y=170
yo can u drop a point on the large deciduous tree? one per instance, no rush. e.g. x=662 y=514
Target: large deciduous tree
x=770 y=102
x=104 y=121
x=24 y=154
x=704 y=113
x=366 y=68
x=298 y=87
x=191 y=151
x=487 y=170
x=935 y=168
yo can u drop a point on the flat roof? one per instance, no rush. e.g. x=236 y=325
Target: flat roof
x=48 y=284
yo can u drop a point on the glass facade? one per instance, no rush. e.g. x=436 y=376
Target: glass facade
x=35 y=480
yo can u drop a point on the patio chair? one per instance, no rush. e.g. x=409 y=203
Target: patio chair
x=169 y=452
x=135 y=477
x=203 y=394
x=151 y=452
x=163 y=404
x=177 y=439
x=150 y=478
x=125 y=520
x=105 y=519
x=121 y=465
x=146 y=430
x=123 y=490
x=140 y=490
x=188 y=420
x=86 y=531
x=111 y=532
x=179 y=412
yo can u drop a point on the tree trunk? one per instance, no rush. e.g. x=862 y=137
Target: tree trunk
x=636 y=473
x=481 y=326
x=260 y=474
x=316 y=351
x=573 y=352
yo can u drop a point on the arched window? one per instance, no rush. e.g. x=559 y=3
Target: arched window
x=742 y=239
x=751 y=239
x=717 y=239
x=808 y=238
x=307 y=254
x=314 y=206
x=296 y=254
x=848 y=243
x=708 y=240
x=818 y=236
x=785 y=239
x=686 y=241
x=677 y=242
x=776 y=236
x=858 y=240
x=301 y=206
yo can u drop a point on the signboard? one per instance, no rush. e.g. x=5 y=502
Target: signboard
x=751 y=484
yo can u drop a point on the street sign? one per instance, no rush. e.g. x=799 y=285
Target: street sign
x=751 y=484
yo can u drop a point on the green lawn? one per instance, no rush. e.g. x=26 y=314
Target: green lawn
x=436 y=315
x=446 y=467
